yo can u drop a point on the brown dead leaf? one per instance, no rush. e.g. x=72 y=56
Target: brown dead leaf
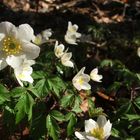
x=84 y=104
x=25 y=131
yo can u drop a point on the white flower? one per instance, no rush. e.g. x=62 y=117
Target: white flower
x=80 y=81
x=72 y=34
x=43 y=37
x=99 y=130
x=16 y=41
x=59 y=49
x=22 y=68
x=95 y=76
x=65 y=59
x=46 y=34
x=138 y=51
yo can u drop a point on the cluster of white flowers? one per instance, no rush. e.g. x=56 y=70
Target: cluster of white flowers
x=99 y=130
x=71 y=38
x=80 y=80
x=17 y=50
x=64 y=56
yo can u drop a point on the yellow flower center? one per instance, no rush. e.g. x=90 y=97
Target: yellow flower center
x=38 y=40
x=80 y=80
x=11 y=45
x=98 y=133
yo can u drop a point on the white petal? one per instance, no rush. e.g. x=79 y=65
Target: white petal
x=78 y=35
x=66 y=56
x=101 y=120
x=77 y=86
x=85 y=86
x=14 y=61
x=19 y=81
x=70 y=39
x=8 y=28
x=29 y=62
x=85 y=77
x=138 y=51
x=23 y=75
x=72 y=28
x=80 y=135
x=94 y=71
x=65 y=60
x=107 y=129
x=95 y=76
x=58 y=50
x=91 y=138
x=26 y=32
x=68 y=64
x=30 y=50
x=81 y=71
x=38 y=40
x=2 y=36
x=89 y=125
x=47 y=33
x=3 y=64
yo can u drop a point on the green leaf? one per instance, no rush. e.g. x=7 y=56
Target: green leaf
x=137 y=102
x=95 y=112
x=115 y=133
x=77 y=103
x=20 y=114
x=124 y=109
x=33 y=90
x=38 y=75
x=57 y=115
x=56 y=85
x=3 y=89
x=17 y=92
x=132 y=117
x=4 y=94
x=52 y=127
x=29 y=102
x=138 y=75
x=136 y=131
x=41 y=87
x=71 y=124
x=38 y=126
x=66 y=100
x=24 y=106
x=106 y=62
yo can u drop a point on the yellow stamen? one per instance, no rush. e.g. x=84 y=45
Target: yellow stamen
x=80 y=80
x=98 y=133
x=11 y=45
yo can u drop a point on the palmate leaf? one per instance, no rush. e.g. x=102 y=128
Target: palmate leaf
x=17 y=92
x=66 y=100
x=42 y=88
x=24 y=106
x=52 y=127
x=56 y=85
